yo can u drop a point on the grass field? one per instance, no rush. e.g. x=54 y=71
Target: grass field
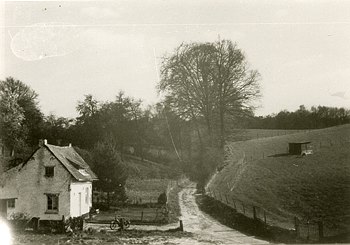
x=315 y=187
x=147 y=169
x=146 y=190
x=249 y=134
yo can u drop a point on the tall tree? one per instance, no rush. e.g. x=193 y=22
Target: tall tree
x=20 y=116
x=236 y=84
x=88 y=129
x=57 y=129
x=88 y=107
x=109 y=168
x=209 y=81
x=123 y=122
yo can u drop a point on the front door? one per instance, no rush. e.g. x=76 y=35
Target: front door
x=3 y=208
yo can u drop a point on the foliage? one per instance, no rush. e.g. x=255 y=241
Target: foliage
x=109 y=168
x=316 y=117
x=146 y=190
x=19 y=216
x=19 y=220
x=209 y=82
x=162 y=199
x=57 y=129
x=20 y=117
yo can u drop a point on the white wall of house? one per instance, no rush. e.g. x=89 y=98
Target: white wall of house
x=81 y=198
x=30 y=186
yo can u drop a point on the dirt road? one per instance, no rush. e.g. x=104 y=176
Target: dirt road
x=206 y=229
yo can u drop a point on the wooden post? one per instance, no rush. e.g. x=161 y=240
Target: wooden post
x=320 y=230
x=141 y=215
x=36 y=224
x=254 y=213
x=156 y=214
x=181 y=226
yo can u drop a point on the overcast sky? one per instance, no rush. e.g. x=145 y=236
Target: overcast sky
x=64 y=50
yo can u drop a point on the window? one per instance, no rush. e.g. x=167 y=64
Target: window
x=11 y=203
x=52 y=203
x=83 y=172
x=49 y=171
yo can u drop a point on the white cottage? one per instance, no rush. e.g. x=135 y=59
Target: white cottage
x=54 y=182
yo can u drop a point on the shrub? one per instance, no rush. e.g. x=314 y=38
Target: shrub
x=19 y=220
x=162 y=199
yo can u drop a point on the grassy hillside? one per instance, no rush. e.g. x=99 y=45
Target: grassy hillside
x=147 y=179
x=248 y=134
x=149 y=170
x=146 y=190
x=259 y=172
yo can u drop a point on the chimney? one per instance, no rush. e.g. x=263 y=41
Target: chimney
x=42 y=142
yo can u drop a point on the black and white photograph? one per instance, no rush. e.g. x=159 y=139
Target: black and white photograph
x=209 y=122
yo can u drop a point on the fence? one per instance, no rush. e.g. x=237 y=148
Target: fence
x=138 y=196
x=152 y=198
x=305 y=229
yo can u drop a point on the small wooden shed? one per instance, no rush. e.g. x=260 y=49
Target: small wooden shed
x=296 y=148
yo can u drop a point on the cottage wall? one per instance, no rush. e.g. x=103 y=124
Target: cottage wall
x=80 y=196
x=8 y=184
x=8 y=189
x=32 y=187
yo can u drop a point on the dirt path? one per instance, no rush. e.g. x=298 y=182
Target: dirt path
x=205 y=227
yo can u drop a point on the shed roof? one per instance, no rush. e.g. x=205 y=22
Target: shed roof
x=300 y=143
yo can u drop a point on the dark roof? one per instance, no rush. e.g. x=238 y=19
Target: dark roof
x=73 y=162
x=300 y=143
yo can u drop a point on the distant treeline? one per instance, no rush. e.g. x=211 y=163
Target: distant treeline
x=303 y=118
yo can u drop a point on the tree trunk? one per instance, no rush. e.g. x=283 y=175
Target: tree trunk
x=222 y=128
x=210 y=130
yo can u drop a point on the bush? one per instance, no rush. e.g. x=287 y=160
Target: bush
x=162 y=199
x=19 y=220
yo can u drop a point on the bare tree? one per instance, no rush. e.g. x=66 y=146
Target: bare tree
x=209 y=82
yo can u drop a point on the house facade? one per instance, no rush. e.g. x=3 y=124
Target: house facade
x=54 y=182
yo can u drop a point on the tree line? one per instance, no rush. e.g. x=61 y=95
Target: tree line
x=302 y=118
x=102 y=133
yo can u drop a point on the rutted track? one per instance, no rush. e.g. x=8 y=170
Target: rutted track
x=207 y=229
